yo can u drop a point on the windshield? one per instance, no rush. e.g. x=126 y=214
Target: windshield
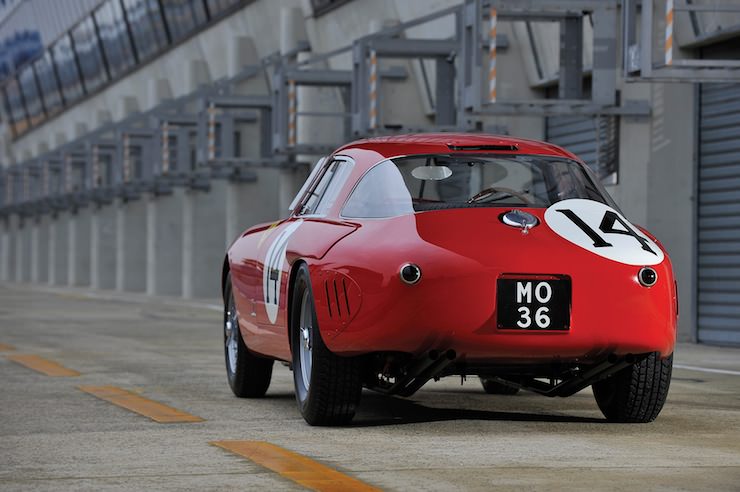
x=433 y=182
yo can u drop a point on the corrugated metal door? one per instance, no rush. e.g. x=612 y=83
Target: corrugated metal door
x=718 y=223
x=593 y=139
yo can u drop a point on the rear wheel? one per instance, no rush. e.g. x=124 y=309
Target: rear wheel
x=248 y=374
x=636 y=393
x=493 y=387
x=327 y=387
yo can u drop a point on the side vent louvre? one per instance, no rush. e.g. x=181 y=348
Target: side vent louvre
x=341 y=294
x=336 y=296
x=337 y=299
x=328 y=298
x=346 y=297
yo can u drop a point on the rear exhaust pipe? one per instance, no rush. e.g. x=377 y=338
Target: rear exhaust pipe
x=438 y=364
x=421 y=371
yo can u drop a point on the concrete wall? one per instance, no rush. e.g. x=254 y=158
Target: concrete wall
x=164 y=229
x=78 y=252
x=58 y=249
x=671 y=200
x=173 y=244
x=657 y=162
x=40 y=249
x=131 y=245
x=103 y=247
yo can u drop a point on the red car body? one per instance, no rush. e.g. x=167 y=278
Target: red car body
x=392 y=269
x=363 y=307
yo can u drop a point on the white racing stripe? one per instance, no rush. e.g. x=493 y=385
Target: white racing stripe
x=707 y=369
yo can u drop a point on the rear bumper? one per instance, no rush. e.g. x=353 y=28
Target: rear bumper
x=363 y=306
x=619 y=318
x=489 y=345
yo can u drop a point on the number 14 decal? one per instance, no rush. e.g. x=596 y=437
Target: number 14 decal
x=607 y=227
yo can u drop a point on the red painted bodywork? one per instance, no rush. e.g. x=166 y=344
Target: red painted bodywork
x=354 y=267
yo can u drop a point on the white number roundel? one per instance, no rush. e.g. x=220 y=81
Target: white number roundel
x=600 y=229
x=272 y=275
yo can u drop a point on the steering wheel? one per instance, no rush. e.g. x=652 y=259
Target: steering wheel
x=490 y=191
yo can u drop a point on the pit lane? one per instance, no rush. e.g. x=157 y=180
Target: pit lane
x=56 y=436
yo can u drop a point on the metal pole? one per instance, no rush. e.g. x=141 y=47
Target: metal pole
x=373 y=90
x=46 y=178
x=292 y=116
x=492 y=57
x=211 y=131
x=165 y=147
x=68 y=173
x=126 y=158
x=95 y=166
x=668 y=32
x=26 y=184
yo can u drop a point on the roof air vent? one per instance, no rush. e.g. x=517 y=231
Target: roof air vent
x=509 y=148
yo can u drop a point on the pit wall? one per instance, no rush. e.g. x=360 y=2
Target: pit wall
x=173 y=244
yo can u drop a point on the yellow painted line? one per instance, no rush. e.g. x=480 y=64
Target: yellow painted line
x=4 y=347
x=298 y=468
x=44 y=366
x=158 y=412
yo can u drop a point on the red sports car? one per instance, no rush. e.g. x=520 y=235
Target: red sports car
x=415 y=257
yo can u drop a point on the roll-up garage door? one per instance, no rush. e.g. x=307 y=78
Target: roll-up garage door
x=718 y=221
x=593 y=139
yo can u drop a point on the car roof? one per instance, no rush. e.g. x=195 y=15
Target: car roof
x=446 y=143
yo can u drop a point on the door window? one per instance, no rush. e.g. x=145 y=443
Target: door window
x=323 y=194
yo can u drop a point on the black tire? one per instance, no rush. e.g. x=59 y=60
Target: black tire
x=637 y=393
x=249 y=376
x=495 y=388
x=334 y=383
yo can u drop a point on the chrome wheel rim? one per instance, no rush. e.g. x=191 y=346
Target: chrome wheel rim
x=305 y=339
x=230 y=331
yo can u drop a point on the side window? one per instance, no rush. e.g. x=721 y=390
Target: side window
x=382 y=192
x=315 y=171
x=331 y=193
x=324 y=193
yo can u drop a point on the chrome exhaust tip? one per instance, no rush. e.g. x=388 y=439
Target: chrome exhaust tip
x=410 y=273
x=647 y=277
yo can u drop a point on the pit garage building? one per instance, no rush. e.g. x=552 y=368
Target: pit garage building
x=139 y=137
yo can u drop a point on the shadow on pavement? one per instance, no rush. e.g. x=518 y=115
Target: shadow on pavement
x=381 y=410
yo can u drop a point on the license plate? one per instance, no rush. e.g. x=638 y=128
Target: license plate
x=533 y=303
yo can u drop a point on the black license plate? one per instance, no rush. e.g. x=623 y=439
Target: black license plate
x=533 y=303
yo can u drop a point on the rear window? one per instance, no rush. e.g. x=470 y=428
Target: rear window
x=422 y=183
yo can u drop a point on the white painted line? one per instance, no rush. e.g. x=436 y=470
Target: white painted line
x=707 y=369
x=213 y=307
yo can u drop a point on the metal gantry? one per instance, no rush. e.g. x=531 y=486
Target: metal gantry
x=639 y=62
x=190 y=140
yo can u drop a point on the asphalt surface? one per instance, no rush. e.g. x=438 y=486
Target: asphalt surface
x=54 y=436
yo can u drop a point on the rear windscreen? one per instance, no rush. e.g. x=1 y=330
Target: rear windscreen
x=421 y=183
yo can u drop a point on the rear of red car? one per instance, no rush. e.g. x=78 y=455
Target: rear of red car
x=411 y=258
x=471 y=266
x=518 y=268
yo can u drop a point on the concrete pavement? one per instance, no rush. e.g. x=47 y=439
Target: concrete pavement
x=55 y=437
